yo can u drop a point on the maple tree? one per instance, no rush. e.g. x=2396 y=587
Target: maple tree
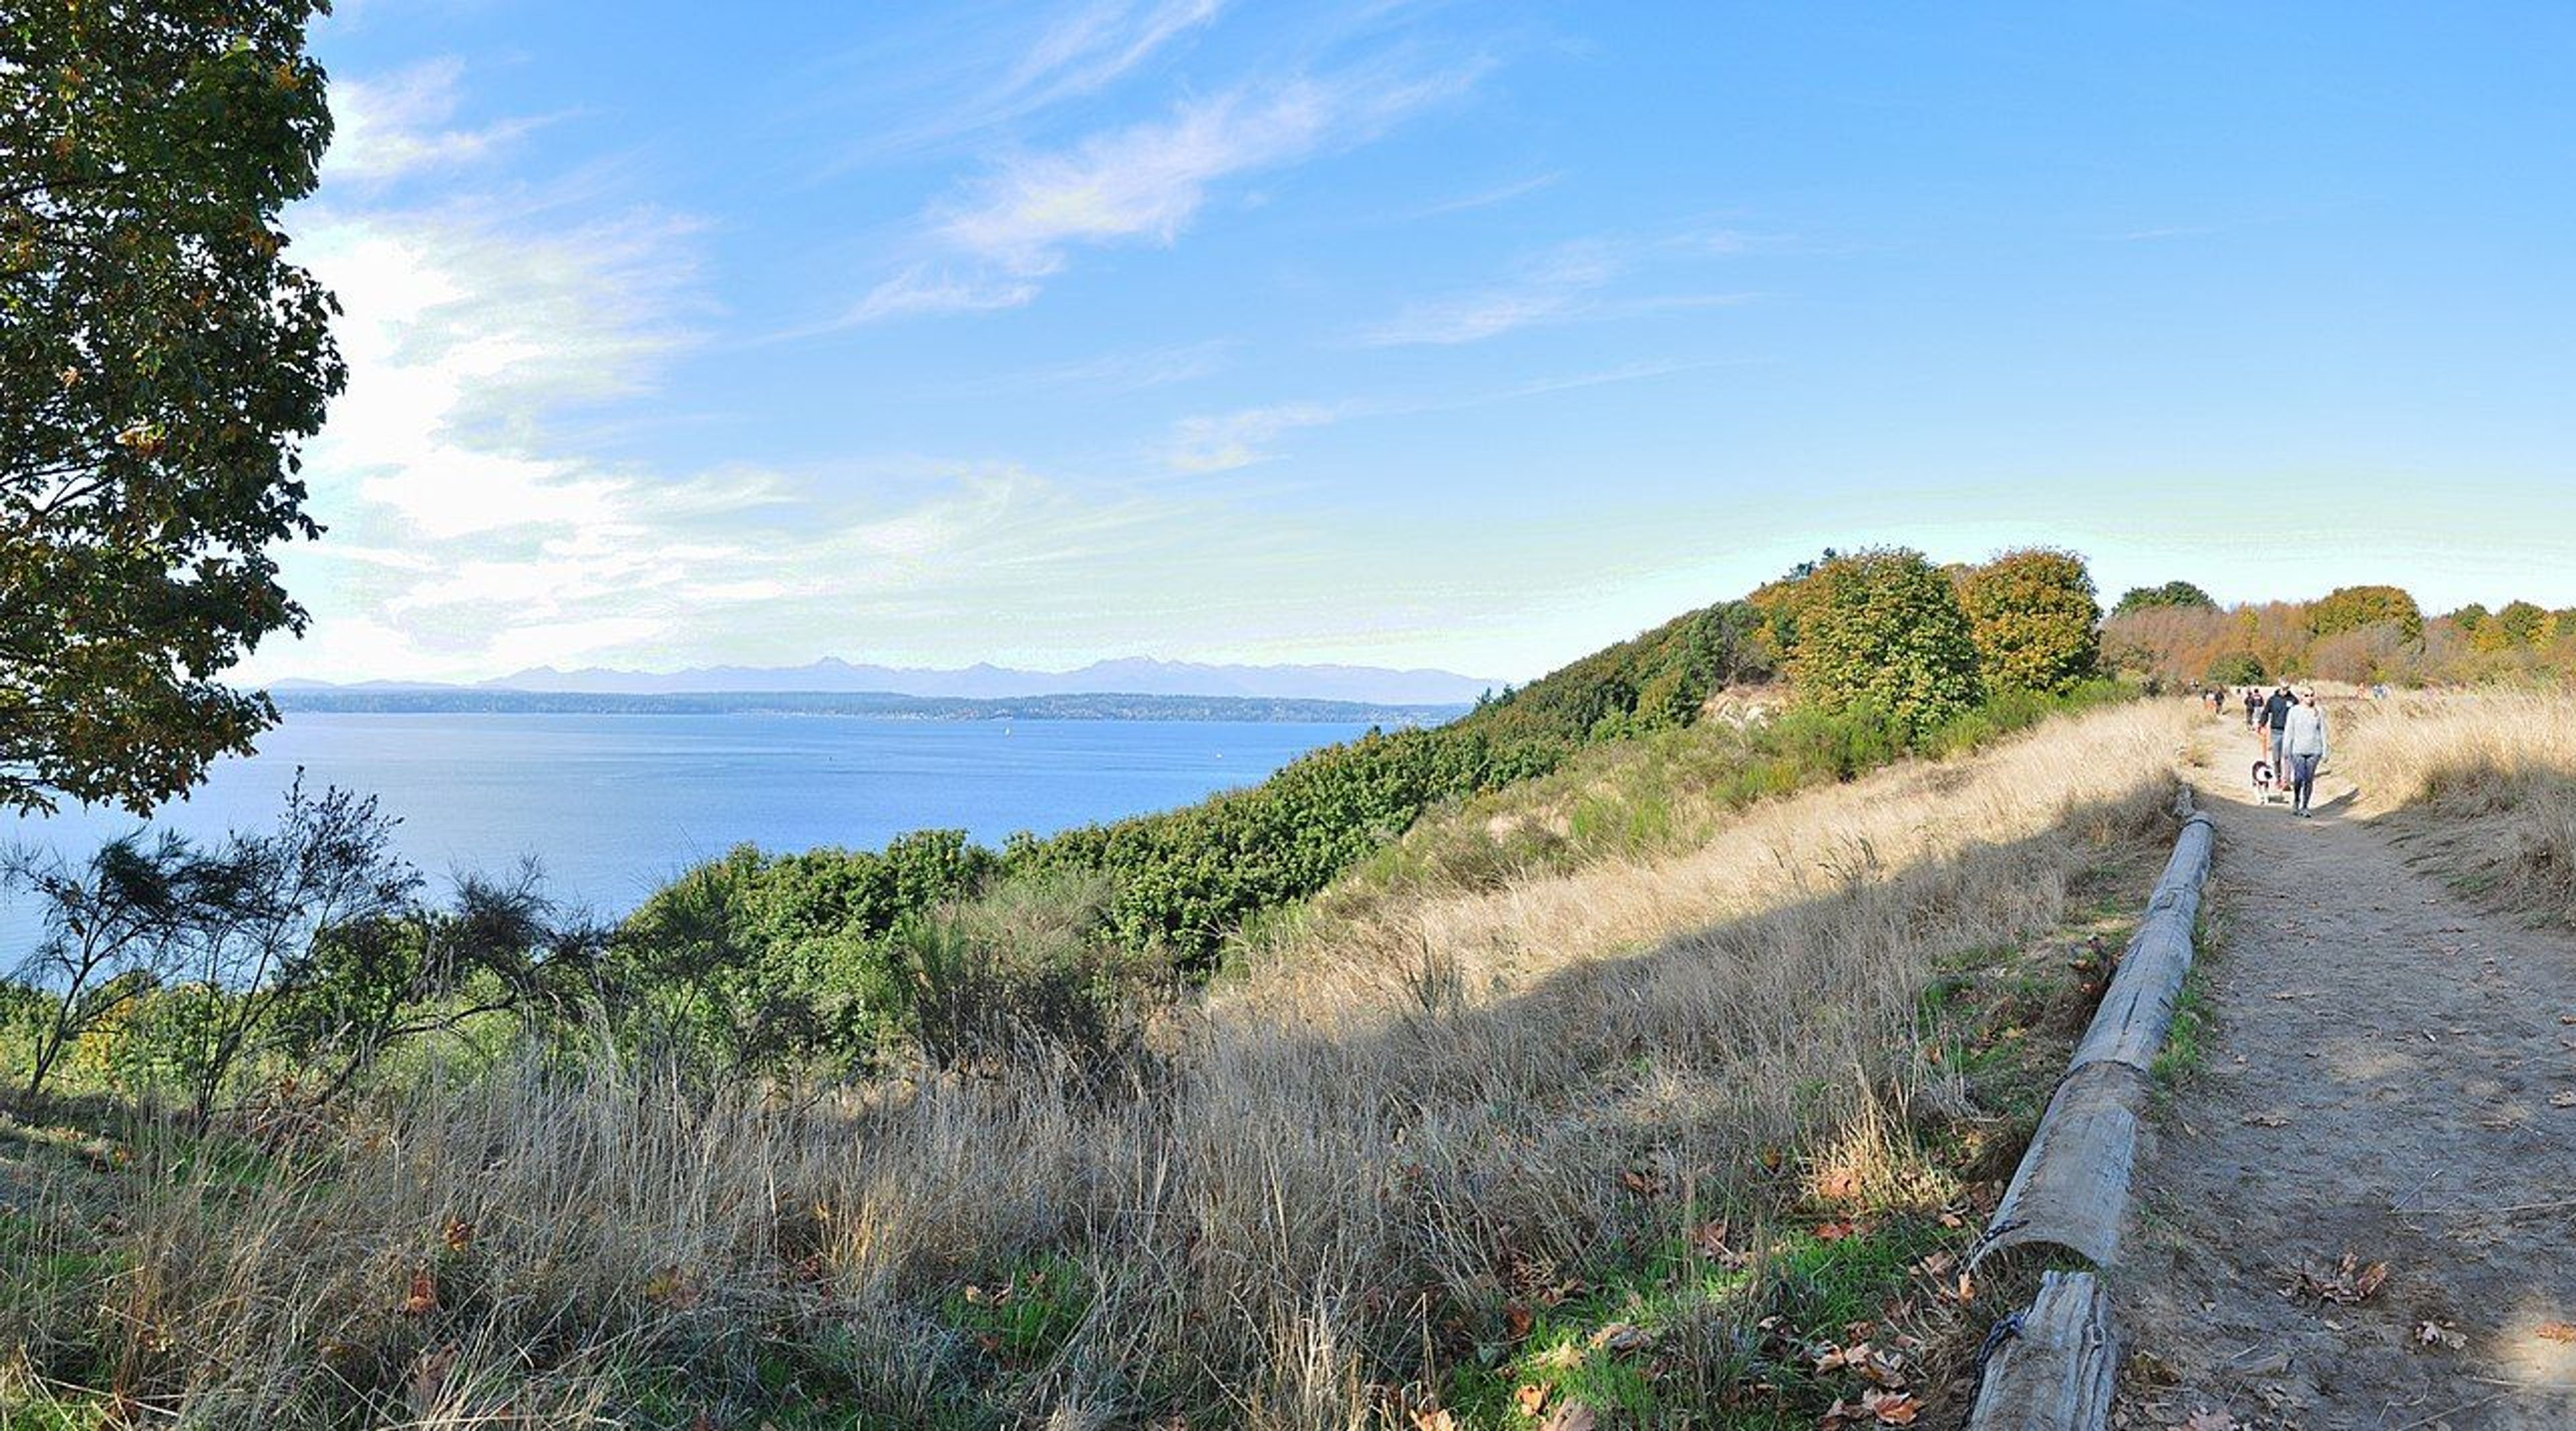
x=160 y=364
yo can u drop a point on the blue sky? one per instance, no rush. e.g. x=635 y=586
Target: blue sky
x=1467 y=335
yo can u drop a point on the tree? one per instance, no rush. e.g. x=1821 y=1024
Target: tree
x=2034 y=620
x=160 y=365
x=2237 y=668
x=2172 y=593
x=1883 y=628
x=368 y=985
x=2523 y=623
x=2349 y=608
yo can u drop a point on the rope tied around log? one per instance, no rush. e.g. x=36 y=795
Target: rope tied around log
x=2005 y=1328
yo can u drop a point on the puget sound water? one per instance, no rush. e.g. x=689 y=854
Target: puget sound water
x=614 y=805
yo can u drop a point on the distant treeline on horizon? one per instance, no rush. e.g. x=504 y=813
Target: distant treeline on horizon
x=1108 y=705
x=2356 y=634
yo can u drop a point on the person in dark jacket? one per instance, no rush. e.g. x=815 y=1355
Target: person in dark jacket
x=2276 y=718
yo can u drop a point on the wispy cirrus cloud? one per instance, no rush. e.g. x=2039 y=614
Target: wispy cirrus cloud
x=925 y=288
x=1223 y=442
x=390 y=126
x=991 y=241
x=474 y=530
x=945 y=92
x=1576 y=282
x=1487 y=198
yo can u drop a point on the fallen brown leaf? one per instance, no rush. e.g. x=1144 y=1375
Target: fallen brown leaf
x=1892 y=1408
x=2350 y=1282
x=1529 y=1396
x=2264 y=1120
x=2557 y=1331
x=422 y=1295
x=2434 y=1334
x=1622 y=1337
x=1571 y=1416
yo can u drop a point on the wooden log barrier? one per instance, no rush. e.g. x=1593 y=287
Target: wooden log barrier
x=2073 y=1183
x=2053 y=1367
x=2056 y=1368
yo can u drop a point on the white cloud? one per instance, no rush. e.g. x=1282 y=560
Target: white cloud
x=1568 y=285
x=393 y=125
x=1487 y=198
x=922 y=289
x=1081 y=50
x=1200 y=445
x=1143 y=181
x=1015 y=224
x=470 y=537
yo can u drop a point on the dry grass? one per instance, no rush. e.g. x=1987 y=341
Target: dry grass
x=1355 y=1159
x=2496 y=773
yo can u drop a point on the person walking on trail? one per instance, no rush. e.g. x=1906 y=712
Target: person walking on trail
x=2274 y=718
x=2303 y=739
x=2253 y=706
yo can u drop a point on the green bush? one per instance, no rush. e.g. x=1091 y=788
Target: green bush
x=1884 y=629
x=2035 y=621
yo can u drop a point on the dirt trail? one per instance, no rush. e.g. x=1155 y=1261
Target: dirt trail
x=2392 y=1072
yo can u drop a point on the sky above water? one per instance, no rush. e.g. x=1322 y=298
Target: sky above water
x=1460 y=335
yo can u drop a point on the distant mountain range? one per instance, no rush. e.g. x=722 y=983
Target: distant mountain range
x=481 y=700
x=1139 y=676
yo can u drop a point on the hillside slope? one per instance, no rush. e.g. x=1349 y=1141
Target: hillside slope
x=1646 y=1135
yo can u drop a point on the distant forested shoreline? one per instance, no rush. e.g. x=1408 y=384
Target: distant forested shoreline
x=880 y=705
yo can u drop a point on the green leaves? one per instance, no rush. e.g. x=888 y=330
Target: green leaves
x=159 y=365
x=2034 y=619
x=1884 y=629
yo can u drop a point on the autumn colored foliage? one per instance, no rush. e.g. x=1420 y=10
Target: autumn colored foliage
x=2034 y=620
x=1883 y=630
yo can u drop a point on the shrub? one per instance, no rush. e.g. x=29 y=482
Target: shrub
x=1884 y=628
x=2034 y=620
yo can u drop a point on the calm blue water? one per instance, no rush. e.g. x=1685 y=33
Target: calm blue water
x=614 y=805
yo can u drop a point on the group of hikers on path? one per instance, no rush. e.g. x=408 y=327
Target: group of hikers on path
x=2290 y=738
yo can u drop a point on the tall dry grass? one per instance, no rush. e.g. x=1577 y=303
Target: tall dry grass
x=2498 y=768
x=1349 y=1160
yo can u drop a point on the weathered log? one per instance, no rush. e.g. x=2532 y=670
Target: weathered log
x=2073 y=1184
x=2056 y=1372
x=2137 y=1008
x=2072 y=1188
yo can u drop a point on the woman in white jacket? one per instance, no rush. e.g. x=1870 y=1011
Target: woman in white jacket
x=2303 y=746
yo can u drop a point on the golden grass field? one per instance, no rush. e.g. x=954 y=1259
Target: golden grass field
x=2491 y=776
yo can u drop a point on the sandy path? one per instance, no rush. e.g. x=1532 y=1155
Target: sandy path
x=2381 y=1080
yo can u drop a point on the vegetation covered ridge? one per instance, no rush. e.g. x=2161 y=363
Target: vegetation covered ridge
x=313 y=949
x=1671 y=1137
